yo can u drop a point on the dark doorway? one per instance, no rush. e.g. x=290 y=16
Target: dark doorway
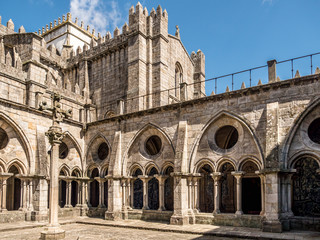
x=168 y=190
x=13 y=190
x=251 y=195
x=105 y=189
x=206 y=201
x=74 y=193
x=153 y=191
x=62 y=193
x=306 y=188
x=137 y=191
x=94 y=189
x=228 y=189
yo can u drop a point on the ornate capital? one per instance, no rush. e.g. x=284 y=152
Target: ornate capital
x=55 y=135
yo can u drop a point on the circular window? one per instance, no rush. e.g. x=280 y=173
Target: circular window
x=226 y=137
x=153 y=145
x=314 y=131
x=63 y=150
x=103 y=151
x=3 y=139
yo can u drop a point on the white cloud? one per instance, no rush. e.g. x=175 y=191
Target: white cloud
x=100 y=15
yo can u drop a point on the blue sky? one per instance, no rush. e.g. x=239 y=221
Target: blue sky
x=233 y=34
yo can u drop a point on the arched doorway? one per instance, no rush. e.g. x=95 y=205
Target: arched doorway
x=137 y=190
x=168 y=190
x=74 y=189
x=94 y=188
x=13 y=190
x=251 y=189
x=153 y=190
x=206 y=202
x=228 y=189
x=306 y=188
x=62 y=190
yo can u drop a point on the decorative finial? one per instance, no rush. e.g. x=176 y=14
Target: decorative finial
x=177 y=32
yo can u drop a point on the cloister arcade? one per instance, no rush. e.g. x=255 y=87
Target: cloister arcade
x=224 y=177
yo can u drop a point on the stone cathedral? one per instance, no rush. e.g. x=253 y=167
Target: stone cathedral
x=144 y=140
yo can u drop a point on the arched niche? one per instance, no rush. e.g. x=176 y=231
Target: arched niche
x=137 y=153
x=225 y=135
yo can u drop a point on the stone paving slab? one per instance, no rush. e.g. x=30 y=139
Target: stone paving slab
x=203 y=229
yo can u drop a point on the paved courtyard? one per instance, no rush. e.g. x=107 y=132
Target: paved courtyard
x=90 y=232
x=84 y=228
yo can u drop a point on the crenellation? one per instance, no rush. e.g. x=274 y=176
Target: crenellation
x=10 y=25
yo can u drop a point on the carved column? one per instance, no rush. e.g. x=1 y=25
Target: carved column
x=4 y=177
x=23 y=195
x=262 y=179
x=216 y=180
x=79 y=197
x=123 y=190
x=238 y=176
x=129 y=192
x=189 y=182
x=101 y=191
x=196 y=193
x=145 y=180
x=161 y=180
x=68 y=197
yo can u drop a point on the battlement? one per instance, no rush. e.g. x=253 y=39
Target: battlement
x=149 y=24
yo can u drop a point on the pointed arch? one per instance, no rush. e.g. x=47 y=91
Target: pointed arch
x=165 y=166
x=90 y=168
x=246 y=159
x=302 y=154
x=224 y=160
x=19 y=165
x=231 y=115
x=136 y=136
x=75 y=142
x=204 y=161
x=77 y=171
x=134 y=168
x=92 y=141
x=24 y=141
x=149 y=166
x=292 y=132
x=64 y=167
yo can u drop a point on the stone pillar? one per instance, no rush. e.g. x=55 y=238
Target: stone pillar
x=180 y=213
x=114 y=211
x=145 y=180
x=262 y=180
x=272 y=202
x=101 y=192
x=89 y=192
x=132 y=191
x=53 y=229
x=216 y=180
x=129 y=192
x=189 y=183
x=272 y=73
x=68 y=197
x=4 y=177
x=238 y=176
x=196 y=194
x=123 y=190
x=161 y=180
x=23 y=195
x=30 y=206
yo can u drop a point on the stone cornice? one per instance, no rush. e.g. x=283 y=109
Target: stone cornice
x=214 y=98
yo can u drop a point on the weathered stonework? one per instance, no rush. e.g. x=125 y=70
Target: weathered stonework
x=143 y=83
